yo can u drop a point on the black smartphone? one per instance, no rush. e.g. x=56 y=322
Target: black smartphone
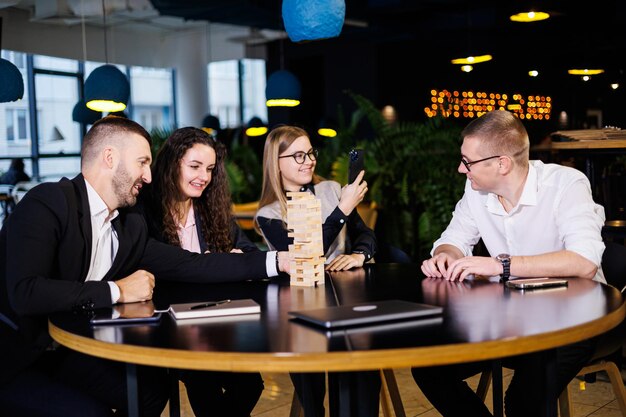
x=356 y=164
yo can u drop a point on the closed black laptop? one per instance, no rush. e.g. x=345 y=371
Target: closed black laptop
x=366 y=313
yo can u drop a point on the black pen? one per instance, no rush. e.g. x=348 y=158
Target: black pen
x=210 y=304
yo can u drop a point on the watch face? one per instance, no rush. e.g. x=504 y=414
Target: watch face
x=503 y=256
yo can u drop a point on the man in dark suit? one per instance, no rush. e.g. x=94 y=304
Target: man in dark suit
x=76 y=245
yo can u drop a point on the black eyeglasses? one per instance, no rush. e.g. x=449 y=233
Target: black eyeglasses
x=300 y=157
x=468 y=164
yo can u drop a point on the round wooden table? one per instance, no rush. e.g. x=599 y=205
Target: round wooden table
x=481 y=320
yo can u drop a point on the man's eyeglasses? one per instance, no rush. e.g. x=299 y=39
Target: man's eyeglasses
x=300 y=157
x=468 y=164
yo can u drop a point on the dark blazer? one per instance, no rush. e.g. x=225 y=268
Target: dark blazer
x=154 y=220
x=45 y=249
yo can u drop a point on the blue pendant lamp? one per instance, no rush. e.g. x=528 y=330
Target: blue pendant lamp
x=327 y=128
x=11 y=81
x=82 y=114
x=106 y=89
x=256 y=127
x=211 y=125
x=313 y=20
x=282 y=89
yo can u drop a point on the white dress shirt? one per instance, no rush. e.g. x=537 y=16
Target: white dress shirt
x=555 y=212
x=104 y=240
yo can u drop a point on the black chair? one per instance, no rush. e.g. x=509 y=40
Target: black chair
x=387 y=253
x=608 y=353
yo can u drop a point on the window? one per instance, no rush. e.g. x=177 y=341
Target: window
x=16 y=123
x=152 y=95
x=224 y=91
x=56 y=137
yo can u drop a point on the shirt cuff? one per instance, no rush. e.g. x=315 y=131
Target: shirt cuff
x=115 y=292
x=270 y=263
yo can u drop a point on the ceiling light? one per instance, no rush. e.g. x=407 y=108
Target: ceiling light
x=106 y=89
x=586 y=78
x=467 y=68
x=533 y=73
x=10 y=79
x=615 y=86
x=211 y=125
x=82 y=114
x=327 y=128
x=256 y=127
x=470 y=60
x=526 y=17
x=313 y=20
x=585 y=71
x=11 y=82
x=282 y=89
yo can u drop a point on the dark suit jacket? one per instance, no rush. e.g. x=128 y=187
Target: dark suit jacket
x=154 y=219
x=45 y=249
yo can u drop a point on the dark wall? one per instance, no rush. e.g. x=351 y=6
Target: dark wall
x=403 y=73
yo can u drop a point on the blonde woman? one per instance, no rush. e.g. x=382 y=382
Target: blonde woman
x=289 y=165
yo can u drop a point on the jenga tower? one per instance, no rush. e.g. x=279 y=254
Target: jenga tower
x=306 y=254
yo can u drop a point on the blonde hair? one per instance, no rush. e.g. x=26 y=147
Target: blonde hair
x=278 y=140
x=501 y=133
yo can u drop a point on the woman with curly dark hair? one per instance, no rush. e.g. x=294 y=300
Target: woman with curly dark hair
x=188 y=204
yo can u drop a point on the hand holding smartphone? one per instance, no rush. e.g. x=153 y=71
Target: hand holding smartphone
x=356 y=164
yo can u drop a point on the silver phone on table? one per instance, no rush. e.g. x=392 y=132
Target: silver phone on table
x=535 y=283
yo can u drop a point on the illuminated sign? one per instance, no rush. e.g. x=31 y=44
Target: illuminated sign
x=467 y=104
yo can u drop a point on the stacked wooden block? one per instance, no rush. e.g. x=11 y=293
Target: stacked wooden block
x=306 y=254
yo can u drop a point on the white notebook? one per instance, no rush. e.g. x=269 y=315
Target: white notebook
x=214 y=308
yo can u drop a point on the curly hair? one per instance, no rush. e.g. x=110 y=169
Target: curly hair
x=213 y=207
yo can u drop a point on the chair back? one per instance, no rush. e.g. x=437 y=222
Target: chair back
x=369 y=213
x=614 y=265
x=244 y=213
x=21 y=188
x=5 y=189
x=614 y=268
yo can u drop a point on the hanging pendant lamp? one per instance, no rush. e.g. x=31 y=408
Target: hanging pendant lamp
x=82 y=114
x=327 y=128
x=211 y=125
x=313 y=20
x=282 y=89
x=11 y=81
x=106 y=89
x=256 y=127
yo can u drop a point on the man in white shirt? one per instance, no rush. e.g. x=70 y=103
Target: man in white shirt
x=76 y=245
x=536 y=220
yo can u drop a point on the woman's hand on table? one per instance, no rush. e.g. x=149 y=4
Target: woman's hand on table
x=345 y=262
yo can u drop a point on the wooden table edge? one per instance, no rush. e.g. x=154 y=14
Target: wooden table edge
x=336 y=361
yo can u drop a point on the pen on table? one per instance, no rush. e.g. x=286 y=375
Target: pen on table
x=210 y=304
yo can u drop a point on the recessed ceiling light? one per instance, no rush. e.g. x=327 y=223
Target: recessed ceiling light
x=470 y=60
x=585 y=71
x=526 y=17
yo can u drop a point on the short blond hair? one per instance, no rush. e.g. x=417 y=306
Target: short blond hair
x=500 y=132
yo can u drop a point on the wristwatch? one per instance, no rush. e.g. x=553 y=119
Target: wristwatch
x=505 y=259
x=362 y=252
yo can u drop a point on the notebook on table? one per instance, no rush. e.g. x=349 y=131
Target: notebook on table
x=366 y=313
x=214 y=308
